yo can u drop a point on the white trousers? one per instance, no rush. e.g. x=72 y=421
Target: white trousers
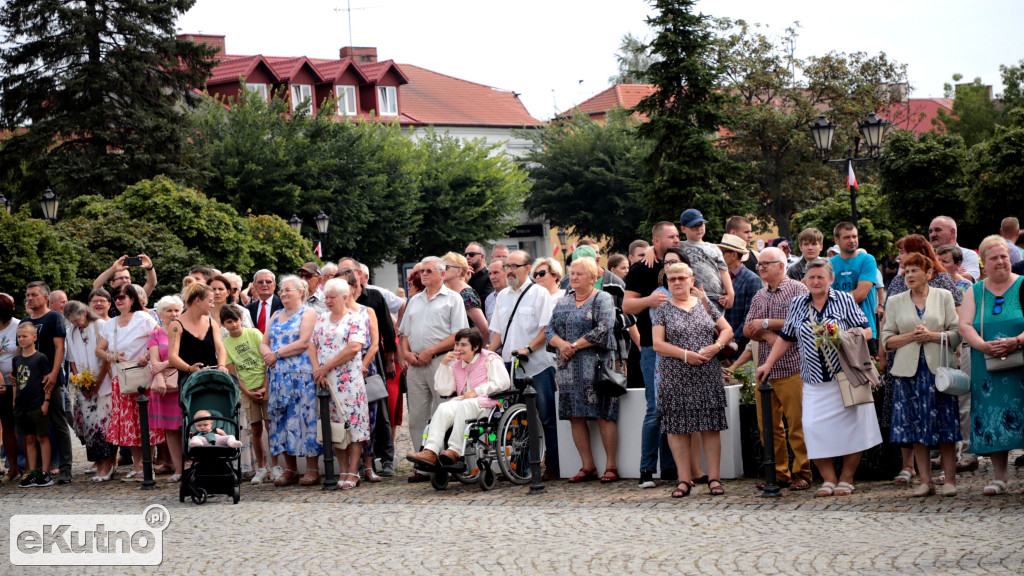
x=452 y=414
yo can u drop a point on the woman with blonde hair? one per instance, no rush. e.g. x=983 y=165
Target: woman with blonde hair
x=456 y=272
x=547 y=273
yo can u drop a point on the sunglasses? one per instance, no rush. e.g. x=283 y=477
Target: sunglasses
x=998 y=308
x=471 y=254
x=678 y=278
x=305 y=275
x=126 y=297
x=540 y=274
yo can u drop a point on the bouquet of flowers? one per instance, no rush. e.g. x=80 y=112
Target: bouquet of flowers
x=84 y=381
x=827 y=335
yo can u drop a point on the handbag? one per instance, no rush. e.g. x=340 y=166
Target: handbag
x=949 y=380
x=341 y=435
x=852 y=395
x=376 y=387
x=1012 y=361
x=607 y=380
x=130 y=376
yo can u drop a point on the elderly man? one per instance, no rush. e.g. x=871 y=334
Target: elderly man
x=499 y=251
x=396 y=304
x=426 y=332
x=764 y=321
x=1009 y=229
x=480 y=280
x=328 y=271
x=941 y=231
x=520 y=318
x=310 y=272
x=264 y=299
x=496 y=271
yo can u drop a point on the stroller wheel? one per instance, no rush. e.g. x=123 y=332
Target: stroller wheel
x=199 y=497
x=236 y=495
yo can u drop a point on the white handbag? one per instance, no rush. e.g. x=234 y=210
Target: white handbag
x=950 y=380
x=130 y=376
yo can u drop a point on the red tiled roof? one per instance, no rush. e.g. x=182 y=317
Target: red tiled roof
x=286 y=67
x=433 y=98
x=616 y=96
x=229 y=68
x=332 y=69
x=916 y=115
x=375 y=71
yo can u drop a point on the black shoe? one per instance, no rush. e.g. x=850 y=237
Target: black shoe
x=669 y=474
x=43 y=479
x=1019 y=461
x=646 y=479
x=64 y=477
x=29 y=480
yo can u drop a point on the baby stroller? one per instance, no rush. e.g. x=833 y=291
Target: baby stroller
x=214 y=469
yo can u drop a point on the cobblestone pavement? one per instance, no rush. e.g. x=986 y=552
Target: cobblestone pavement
x=398 y=528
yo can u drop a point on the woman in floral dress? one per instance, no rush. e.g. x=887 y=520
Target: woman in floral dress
x=336 y=354
x=92 y=408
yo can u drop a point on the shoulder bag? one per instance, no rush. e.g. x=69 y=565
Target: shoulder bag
x=376 y=386
x=511 y=316
x=130 y=376
x=950 y=380
x=341 y=435
x=852 y=395
x=1012 y=361
x=607 y=380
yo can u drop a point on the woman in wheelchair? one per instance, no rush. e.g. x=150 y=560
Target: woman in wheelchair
x=471 y=373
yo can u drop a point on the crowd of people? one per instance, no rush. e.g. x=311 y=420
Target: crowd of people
x=675 y=314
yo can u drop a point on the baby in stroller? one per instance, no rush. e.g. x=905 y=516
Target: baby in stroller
x=206 y=434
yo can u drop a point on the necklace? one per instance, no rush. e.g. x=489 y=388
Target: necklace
x=287 y=314
x=585 y=298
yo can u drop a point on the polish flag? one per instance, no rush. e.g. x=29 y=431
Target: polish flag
x=555 y=252
x=318 y=250
x=572 y=248
x=851 y=178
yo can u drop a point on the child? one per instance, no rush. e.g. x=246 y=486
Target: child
x=709 y=268
x=246 y=363
x=32 y=404
x=811 y=241
x=206 y=434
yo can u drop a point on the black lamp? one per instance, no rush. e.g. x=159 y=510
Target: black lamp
x=322 y=222
x=295 y=223
x=49 y=203
x=872 y=128
x=823 y=131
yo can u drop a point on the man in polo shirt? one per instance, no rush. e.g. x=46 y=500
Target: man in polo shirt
x=941 y=231
x=480 y=280
x=497 y=273
x=525 y=335
x=764 y=321
x=427 y=331
x=856 y=273
x=744 y=283
x=642 y=295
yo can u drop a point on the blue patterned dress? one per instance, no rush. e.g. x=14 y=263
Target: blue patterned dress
x=593 y=322
x=330 y=339
x=997 y=398
x=291 y=406
x=920 y=413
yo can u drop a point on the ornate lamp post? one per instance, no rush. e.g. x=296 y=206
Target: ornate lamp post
x=562 y=238
x=49 y=203
x=295 y=223
x=322 y=222
x=6 y=204
x=823 y=131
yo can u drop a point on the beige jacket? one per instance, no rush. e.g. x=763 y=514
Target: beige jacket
x=901 y=318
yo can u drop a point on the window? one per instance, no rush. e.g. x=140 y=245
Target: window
x=260 y=89
x=387 y=100
x=300 y=94
x=346 y=96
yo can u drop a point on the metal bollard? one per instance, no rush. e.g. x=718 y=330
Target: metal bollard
x=533 y=427
x=148 y=483
x=771 y=489
x=330 y=482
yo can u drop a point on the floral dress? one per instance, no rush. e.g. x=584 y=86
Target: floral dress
x=291 y=406
x=91 y=412
x=593 y=321
x=123 y=425
x=690 y=398
x=330 y=339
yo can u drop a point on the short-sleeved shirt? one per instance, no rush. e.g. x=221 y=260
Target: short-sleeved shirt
x=775 y=304
x=8 y=347
x=745 y=284
x=850 y=271
x=28 y=373
x=840 y=308
x=707 y=263
x=532 y=315
x=244 y=353
x=643 y=280
x=971 y=263
x=48 y=327
x=428 y=321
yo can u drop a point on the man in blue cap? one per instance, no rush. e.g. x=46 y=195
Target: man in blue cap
x=709 y=267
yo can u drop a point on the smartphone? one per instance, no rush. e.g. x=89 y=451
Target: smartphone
x=133 y=261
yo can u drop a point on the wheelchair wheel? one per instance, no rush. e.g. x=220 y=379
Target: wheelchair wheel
x=487 y=479
x=472 y=473
x=439 y=480
x=514 y=445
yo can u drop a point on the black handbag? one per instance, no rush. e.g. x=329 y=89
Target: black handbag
x=609 y=381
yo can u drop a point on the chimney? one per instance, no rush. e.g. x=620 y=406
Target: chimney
x=217 y=41
x=359 y=55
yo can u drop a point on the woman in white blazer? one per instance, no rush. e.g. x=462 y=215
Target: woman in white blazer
x=921 y=415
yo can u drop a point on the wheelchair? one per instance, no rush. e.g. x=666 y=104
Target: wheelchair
x=501 y=436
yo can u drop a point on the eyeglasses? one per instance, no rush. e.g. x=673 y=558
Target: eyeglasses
x=263 y=282
x=514 y=266
x=678 y=278
x=345 y=271
x=764 y=265
x=998 y=308
x=427 y=271
x=540 y=274
x=283 y=290
x=305 y=275
x=471 y=254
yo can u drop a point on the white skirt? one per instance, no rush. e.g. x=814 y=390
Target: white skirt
x=830 y=429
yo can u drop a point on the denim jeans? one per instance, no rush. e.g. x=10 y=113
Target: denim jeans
x=652 y=441
x=544 y=384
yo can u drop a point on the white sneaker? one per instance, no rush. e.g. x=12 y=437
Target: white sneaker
x=260 y=477
x=276 y=472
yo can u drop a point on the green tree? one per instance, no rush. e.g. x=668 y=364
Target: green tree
x=975 y=113
x=633 y=60
x=876 y=232
x=36 y=250
x=996 y=175
x=922 y=177
x=94 y=91
x=587 y=176
x=687 y=167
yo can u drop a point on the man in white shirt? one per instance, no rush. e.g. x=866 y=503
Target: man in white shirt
x=941 y=231
x=521 y=315
x=427 y=331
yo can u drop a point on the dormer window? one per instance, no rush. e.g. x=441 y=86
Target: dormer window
x=301 y=93
x=346 y=96
x=260 y=89
x=387 y=101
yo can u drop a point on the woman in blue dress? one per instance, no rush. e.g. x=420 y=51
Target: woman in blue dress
x=291 y=402
x=991 y=322
x=581 y=329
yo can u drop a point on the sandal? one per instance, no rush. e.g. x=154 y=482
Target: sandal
x=370 y=475
x=165 y=469
x=996 y=488
x=174 y=478
x=715 y=490
x=584 y=476
x=308 y=480
x=348 y=484
x=903 y=477
x=287 y=478
x=844 y=489
x=940 y=478
x=134 y=475
x=679 y=492
x=826 y=489
x=799 y=484
x=610 y=475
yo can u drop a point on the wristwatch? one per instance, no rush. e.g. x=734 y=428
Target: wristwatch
x=764 y=324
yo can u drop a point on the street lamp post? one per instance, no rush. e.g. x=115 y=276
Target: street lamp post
x=50 y=202
x=6 y=204
x=323 y=221
x=562 y=237
x=823 y=131
x=295 y=223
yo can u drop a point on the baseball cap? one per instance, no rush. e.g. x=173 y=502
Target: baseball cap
x=691 y=217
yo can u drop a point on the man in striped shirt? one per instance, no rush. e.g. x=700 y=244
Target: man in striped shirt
x=764 y=322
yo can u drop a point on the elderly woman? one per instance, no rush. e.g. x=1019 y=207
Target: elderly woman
x=991 y=323
x=951 y=258
x=687 y=337
x=921 y=415
x=291 y=402
x=238 y=296
x=99 y=302
x=456 y=272
x=164 y=411
x=547 y=273
x=335 y=352
x=124 y=339
x=581 y=329
x=830 y=429
x=92 y=408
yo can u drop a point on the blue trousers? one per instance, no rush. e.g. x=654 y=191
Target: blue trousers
x=652 y=441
